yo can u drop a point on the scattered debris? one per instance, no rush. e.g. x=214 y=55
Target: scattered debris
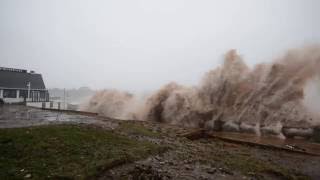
x=295 y=147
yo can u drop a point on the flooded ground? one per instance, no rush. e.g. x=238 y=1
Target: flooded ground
x=12 y=116
x=203 y=158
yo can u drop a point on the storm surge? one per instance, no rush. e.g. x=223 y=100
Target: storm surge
x=278 y=98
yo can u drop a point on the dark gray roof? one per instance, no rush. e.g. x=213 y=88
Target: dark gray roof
x=19 y=80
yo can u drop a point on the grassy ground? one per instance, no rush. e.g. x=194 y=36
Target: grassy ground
x=65 y=151
x=81 y=152
x=134 y=128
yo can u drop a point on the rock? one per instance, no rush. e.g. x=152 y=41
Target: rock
x=187 y=161
x=28 y=176
x=231 y=126
x=211 y=170
x=157 y=158
x=203 y=177
x=225 y=171
x=158 y=129
x=187 y=167
x=301 y=132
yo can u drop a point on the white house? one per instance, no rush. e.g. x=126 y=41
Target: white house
x=18 y=86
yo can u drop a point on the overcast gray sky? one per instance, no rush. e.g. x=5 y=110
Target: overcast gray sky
x=142 y=44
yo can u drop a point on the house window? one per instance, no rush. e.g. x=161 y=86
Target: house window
x=23 y=94
x=9 y=93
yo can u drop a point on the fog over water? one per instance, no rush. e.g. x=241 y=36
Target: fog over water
x=140 y=45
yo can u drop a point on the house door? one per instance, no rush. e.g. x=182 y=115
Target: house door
x=36 y=95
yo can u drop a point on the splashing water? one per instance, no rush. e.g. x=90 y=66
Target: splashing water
x=266 y=99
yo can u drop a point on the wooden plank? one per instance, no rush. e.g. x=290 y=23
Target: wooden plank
x=291 y=145
x=72 y=111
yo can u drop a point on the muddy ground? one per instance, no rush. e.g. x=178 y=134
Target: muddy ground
x=202 y=158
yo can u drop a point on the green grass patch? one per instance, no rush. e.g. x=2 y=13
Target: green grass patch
x=65 y=151
x=137 y=129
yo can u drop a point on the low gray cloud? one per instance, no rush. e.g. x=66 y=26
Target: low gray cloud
x=140 y=45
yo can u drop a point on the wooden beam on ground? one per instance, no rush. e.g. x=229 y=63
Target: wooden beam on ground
x=289 y=145
x=195 y=134
x=273 y=143
x=72 y=111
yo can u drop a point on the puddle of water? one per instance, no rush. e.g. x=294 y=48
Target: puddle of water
x=20 y=116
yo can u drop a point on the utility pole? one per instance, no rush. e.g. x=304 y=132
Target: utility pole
x=64 y=98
